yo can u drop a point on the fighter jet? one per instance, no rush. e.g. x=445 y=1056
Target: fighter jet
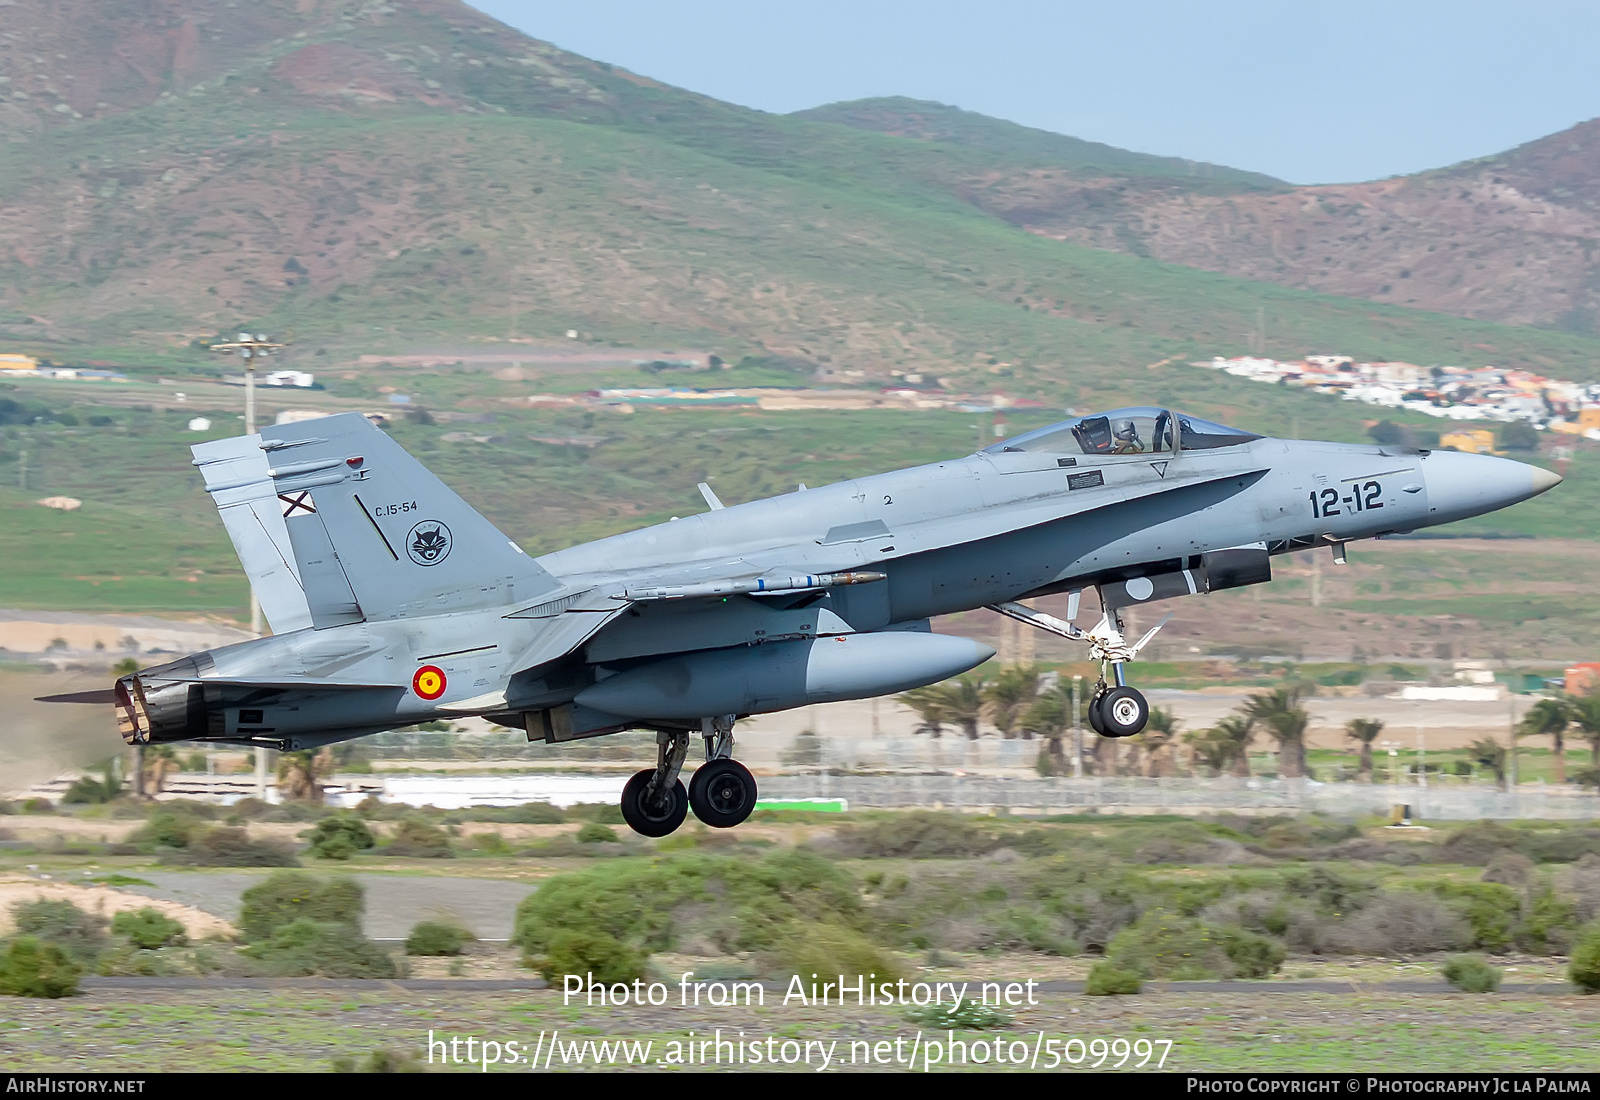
x=392 y=602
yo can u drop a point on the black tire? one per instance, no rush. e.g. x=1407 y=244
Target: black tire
x=1123 y=712
x=1096 y=722
x=640 y=819
x=722 y=793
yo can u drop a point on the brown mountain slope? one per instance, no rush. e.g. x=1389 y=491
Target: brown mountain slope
x=1512 y=238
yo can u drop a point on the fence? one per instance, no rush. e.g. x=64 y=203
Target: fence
x=1117 y=795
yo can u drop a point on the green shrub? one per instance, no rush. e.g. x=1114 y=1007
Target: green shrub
x=288 y=896
x=419 y=838
x=971 y=1015
x=1162 y=944
x=1584 y=967
x=81 y=935
x=1472 y=974
x=921 y=834
x=592 y=832
x=829 y=950
x=340 y=836
x=603 y=813
x=230 y=846
x=436 y=937
x=32 y=967
x=1480 y=842
x=332 y=949
x=1106 y=979
x=589 y=953
x=1252 y=955
x=1548 y=924
x=1492 y=911
x=529 y=813
x=166 y=829
x=738 y=903
x=148 y=929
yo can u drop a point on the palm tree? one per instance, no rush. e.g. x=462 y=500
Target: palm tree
x=298 y=773
x=1050 y=714
x=1584 y=711
x=1225 y=747
x=1157 y=741
x=1008 y=696
x=965 y=702
x=1490 y=754
x=931 y=705
x=1279 y=710
x=158 y=762
x=1549 y=717
x=1365 y=731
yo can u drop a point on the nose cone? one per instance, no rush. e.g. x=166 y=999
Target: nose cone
x=1465 y=485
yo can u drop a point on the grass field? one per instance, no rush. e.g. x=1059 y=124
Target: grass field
x=934 y=889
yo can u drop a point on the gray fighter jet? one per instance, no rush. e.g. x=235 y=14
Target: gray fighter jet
x=392 y=602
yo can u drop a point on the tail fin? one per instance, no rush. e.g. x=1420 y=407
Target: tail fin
x=235 y=471
x=376 y=536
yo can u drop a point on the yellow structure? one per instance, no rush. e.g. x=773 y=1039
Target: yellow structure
x=1477 y=441
x=1588 y=418
x=10 y=361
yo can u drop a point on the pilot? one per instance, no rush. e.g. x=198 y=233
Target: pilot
x=1126 y=435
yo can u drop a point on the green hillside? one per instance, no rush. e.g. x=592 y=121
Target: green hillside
x=1009 y=144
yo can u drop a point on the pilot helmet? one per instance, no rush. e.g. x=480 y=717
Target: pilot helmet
x=1125 y=430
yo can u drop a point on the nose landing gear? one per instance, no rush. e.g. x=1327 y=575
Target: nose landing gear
x=1115 y=709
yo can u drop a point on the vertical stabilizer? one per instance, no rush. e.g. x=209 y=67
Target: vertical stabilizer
x=235 y=472
x=366 y=517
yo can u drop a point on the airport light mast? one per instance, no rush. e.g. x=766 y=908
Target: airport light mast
x=251 y=349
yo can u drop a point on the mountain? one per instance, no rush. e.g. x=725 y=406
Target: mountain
x=376 y=176
x=1509 y=238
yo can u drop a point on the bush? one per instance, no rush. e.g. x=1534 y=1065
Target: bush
x=166 y=829
x=529 y=813
x=1162 y=944
x=1472 y=974
x=592 y=832
x=436 y=937
x=420 y=839
x=230 y=846
x=82 y=935
x=1548 y=924
x=830 y=950
x=1584 y=968
x=921 y=834
x=1479 y=843
x=738 y=903
x=1492 y=911
x=381 y=1060
x=291 y=895
x=1406 y=922
x=603 y=813
x=590 y=953
x=340 y=836
x=149 y=929
x=1108 y=980
x=32 y=967
x=332 y=949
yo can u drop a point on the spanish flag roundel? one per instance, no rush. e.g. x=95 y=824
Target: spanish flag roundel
x=428 y=682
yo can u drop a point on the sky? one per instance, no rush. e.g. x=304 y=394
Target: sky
x=1324 y=92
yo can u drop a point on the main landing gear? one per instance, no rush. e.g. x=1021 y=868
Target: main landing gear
x=1115 y=709
x=722 y=792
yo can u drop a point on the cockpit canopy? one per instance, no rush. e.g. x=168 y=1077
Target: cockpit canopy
x=1138 y=430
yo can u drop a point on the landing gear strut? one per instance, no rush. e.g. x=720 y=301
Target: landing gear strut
x=1115 y=709
x=722 y=791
